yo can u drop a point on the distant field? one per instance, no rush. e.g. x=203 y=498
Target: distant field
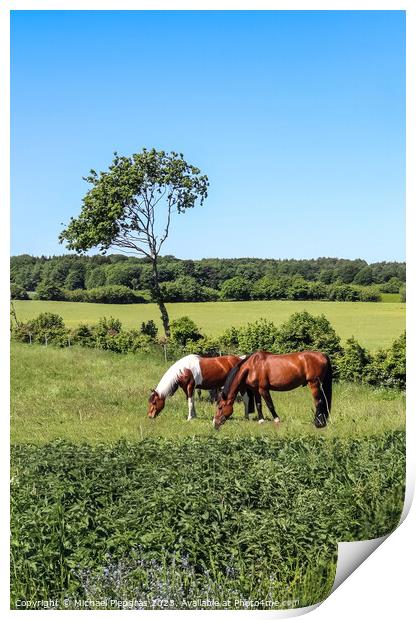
x=373 y=324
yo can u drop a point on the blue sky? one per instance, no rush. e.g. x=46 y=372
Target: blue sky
x=297 y=118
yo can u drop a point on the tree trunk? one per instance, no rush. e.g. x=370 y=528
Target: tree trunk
x=157 y=294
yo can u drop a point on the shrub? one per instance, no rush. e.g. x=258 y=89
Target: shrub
x=261 y=334
x=236 y=289
x=388 y=367
x=186 y=288
x=204 y=346
x=77 y=295
x=114 y=294
x=49 y=292
x=149 y=329
x=298 y=289
x=306 y=332
x=369 y=294
x=47 y=327
x=126 y=342
x=403 y=294
x=83 y=335
x=354 y=362
x=343 y=292
x=270 y=288
x=184 y=329
x=229 y=339
x=392 y=286
x=18 y=292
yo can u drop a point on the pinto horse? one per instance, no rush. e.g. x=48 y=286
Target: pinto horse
x=262 y=371
x=194 y=371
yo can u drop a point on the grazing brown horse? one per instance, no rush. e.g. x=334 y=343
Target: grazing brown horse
x=194 y=371
x=262 y=371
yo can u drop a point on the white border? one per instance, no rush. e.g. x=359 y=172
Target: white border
x=383 y=586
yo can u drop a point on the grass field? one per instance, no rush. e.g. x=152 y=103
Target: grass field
x=95 y=396
x=373 y=324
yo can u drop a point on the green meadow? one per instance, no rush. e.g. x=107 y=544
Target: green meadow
x=95 y=396
x=373 y=324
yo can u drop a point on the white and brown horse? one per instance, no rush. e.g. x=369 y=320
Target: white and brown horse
x=191 y=372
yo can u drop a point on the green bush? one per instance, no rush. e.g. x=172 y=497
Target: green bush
x=392 y=286
x=260 y=334
x=354 y=362
x=18 y=292
x=229 y=339
x=343 y=292
x=184 y=329
x=149 y=329
x=83 y=335
x=236 y=289
x=298 y=289
x=388 y=366
x=47 y=328
x=369 y=294
x=270 y=287
x=204 y=346
x=116 y=294
x=112 y=294
x=306 y=332
x=49 y=292
x=79 y=295
x=187 y=288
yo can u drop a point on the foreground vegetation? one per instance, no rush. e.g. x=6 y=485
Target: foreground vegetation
x=373 y=325
x=247 y=522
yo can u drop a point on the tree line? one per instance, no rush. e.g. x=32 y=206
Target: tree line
x=204 y=280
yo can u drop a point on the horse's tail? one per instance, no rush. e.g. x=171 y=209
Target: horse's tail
x=326 y=385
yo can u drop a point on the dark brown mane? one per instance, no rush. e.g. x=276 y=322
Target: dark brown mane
x=231 y=375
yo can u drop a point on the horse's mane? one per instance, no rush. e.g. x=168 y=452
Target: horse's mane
x=231 y=375
x=168 y=384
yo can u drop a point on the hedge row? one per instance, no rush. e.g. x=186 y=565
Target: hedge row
x=351 y=362
x=187 y=289
x=116 y=294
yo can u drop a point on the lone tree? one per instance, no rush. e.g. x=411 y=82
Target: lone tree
x=131 y=205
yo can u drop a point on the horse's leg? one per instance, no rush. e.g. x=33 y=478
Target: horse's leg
x=246 y=402
x=320 y=417
x=257 y=399
x=269 y=402
x=213 y=395
x=190 y=389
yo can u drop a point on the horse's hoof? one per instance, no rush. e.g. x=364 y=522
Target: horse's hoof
x=277 y=421
x=262 y=421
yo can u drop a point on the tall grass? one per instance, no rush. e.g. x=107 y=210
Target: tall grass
x=245 y=520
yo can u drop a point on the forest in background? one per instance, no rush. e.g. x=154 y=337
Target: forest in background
x=118 y=278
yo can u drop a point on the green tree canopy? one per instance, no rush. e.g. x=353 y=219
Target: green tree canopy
x=130 y=206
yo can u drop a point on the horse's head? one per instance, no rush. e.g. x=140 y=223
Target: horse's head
x=223 y=412
x=156 y=404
